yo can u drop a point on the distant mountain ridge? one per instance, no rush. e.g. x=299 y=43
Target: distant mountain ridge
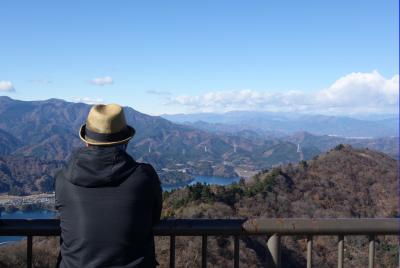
x=287 y=123
x=48 y=130
x=388 y=145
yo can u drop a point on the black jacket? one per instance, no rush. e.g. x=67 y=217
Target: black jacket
x=108 y=205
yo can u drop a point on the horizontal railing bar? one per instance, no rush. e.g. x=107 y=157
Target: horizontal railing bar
x=177 y=227
x=291 y=226
x=29 y=227
x=184 y=227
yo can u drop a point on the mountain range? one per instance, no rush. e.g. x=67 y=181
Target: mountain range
x=48 y=131
x=334 y=180
x=388 y=145
x=281 y=124
x=45 y=133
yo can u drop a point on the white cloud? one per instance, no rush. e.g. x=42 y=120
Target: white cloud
x=362 y=91
x=353 y=93
x=6 y=86
x=101 y=81
x=89 y=100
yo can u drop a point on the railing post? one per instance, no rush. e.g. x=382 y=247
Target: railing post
x=236 y=252
x=204 y=251
x=371 y=253
x=309 y=251
x=274 y=251
x=172 y=251
x=340 y=251
x=29 y=251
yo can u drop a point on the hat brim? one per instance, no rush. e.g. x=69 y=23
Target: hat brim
x=130 y=132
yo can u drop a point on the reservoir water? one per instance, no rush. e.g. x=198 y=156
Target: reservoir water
x=38 y=214
x=214 y=180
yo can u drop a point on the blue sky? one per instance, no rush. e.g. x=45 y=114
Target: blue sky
x=158 y=57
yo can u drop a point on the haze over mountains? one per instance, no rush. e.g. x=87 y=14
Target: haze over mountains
x=278 y=124
x=45 y=133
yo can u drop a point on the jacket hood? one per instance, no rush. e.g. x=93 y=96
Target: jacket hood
x=96 y=166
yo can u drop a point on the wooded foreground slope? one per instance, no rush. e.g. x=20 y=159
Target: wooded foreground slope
x=344 y=182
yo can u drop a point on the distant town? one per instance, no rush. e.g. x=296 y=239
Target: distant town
x=10 y=203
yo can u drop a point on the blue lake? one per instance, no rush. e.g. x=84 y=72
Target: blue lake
x=214 y=180
x=39 y=214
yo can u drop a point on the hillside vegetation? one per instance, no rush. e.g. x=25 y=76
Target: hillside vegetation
x=344 y=182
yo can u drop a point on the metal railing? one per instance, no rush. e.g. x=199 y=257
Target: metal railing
x=273 y=228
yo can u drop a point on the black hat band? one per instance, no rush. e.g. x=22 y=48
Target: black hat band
x=111 y=137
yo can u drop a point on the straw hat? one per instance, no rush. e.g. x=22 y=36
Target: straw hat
x=106 y=125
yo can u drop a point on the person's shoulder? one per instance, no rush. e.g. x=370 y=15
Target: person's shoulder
x=146 y=172
x=146 y=168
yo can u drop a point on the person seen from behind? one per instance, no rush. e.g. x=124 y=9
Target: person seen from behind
x=108 y=203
